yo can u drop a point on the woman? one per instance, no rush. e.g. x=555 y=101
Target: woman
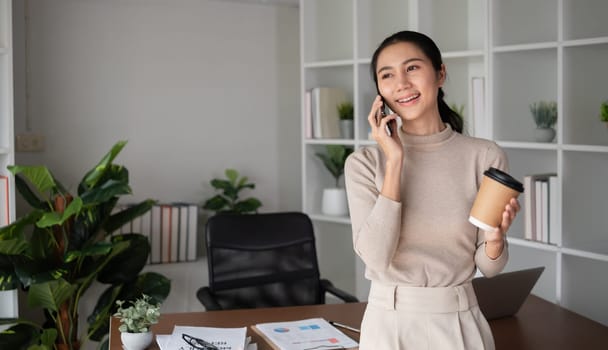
x=409 y=200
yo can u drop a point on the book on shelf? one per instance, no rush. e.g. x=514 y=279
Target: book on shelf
x=324 y=111
x=555 y=227
x=4 y=201
x=183 y=232
x=155 y=235
x=540 y=204
x=308 y=114
x=146 y=224
x=165 y=233
x=313 y=333
x=171 y=230
x=192 y=232
x=478 y=106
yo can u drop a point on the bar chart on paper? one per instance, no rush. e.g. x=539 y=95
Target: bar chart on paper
x=314 y=333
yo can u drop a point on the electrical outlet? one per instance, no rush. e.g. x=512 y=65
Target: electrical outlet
x=29 y=142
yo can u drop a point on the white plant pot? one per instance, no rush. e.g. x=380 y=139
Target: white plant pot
x=544 y=134
x=136 y=341
x=346 y=128
x=334 y=202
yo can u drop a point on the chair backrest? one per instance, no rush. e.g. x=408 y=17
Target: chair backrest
x=262 y=260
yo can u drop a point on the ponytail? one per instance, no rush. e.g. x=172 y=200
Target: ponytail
x=448 y=115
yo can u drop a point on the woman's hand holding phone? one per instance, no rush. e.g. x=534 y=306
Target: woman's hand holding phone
x=384 y=129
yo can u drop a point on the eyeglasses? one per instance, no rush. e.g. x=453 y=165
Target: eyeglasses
x=198 y=343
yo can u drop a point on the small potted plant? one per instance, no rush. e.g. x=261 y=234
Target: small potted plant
x=334 y=198
x=544 y=114
x=228 y=200
x=346 y=115
x=136 y=321
x=604 y=112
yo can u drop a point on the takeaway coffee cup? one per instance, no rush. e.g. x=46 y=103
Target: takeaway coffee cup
x=496 y=190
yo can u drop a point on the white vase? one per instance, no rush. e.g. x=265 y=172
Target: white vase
x=346 y=128
x=136 y=341
x=334 y=202
x=544 y=134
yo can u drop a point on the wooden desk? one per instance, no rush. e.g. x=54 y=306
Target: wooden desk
x=538 y=325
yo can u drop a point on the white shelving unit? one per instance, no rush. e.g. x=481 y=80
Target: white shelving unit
x=8 y=299
x=527 y=51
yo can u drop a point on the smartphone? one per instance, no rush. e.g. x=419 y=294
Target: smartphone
x=386 y=111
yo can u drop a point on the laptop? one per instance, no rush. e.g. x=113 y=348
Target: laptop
x=503 y=295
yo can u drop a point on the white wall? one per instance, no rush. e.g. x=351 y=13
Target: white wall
x=195 y=86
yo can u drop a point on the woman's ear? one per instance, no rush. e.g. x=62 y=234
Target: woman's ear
x=442 y=75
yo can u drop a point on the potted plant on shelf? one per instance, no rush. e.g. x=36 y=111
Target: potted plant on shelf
x=545 y=116
x=135 y=322
x=346 y=115
x=604 y=112
x=64 y=245
x=228 y=200
x=334 y=198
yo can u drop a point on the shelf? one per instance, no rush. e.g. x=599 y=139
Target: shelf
x=455 y=25
x=522 y=22
x=526 y=51
x=585 y=42
x=520 y=79
x=552 y=146
x=327 y=218
x=584 y=19
x=532 y=244
x=463 y=54
x=585 y=148
x=527 y=145
x=585 y=254
x=326 y=30
x=346 y=142
x=327 y=64
x=377 y=19
x=526 y=47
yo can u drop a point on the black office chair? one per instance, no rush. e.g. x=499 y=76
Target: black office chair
x=263 y=260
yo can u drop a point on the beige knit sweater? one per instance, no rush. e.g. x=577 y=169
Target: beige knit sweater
x=426 y=239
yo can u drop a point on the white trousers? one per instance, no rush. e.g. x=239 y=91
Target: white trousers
x=417 y=318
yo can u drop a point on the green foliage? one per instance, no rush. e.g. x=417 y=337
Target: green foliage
x=604 y=111
x=457 y=108
x=544 y=113
x=63 y=245
x=138 y=317
x=334 y=159
x=346 y=111
x=228 y=200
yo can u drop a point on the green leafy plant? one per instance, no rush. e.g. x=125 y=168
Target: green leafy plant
x=346 y=111
x=228 y=200
x=64 y=244
x=604 y=111
x=544 y=114
x=457 y=108
x=334 y=159
x=138 y=317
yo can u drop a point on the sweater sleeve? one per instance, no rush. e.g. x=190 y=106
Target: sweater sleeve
x=495 y=157
x=375 y=219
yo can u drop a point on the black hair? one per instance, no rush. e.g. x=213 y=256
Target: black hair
x=430 y=49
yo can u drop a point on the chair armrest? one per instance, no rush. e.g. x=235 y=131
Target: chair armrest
x=205 y=296
x=327 y=286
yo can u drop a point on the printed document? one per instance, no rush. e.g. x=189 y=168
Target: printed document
x=314 y=333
